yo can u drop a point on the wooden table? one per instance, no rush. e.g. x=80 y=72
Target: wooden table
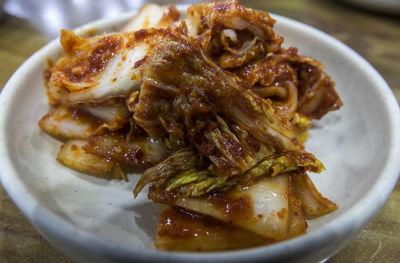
x=375 y=36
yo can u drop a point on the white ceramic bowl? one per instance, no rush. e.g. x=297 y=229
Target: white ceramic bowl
x=95 y=220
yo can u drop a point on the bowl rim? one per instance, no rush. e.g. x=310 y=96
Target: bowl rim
x=72 y=234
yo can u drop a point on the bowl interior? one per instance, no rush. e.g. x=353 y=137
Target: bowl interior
x=353 y=143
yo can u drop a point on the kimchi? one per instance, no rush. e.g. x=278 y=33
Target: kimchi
x=210 y=108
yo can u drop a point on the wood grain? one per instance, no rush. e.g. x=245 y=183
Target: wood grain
x=374 y=36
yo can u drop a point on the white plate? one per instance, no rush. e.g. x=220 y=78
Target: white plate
x=96 y=220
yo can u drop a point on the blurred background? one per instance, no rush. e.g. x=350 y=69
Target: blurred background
x=51 y=15
x=371 y=27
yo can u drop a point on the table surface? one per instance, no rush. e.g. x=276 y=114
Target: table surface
x=375 y=36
